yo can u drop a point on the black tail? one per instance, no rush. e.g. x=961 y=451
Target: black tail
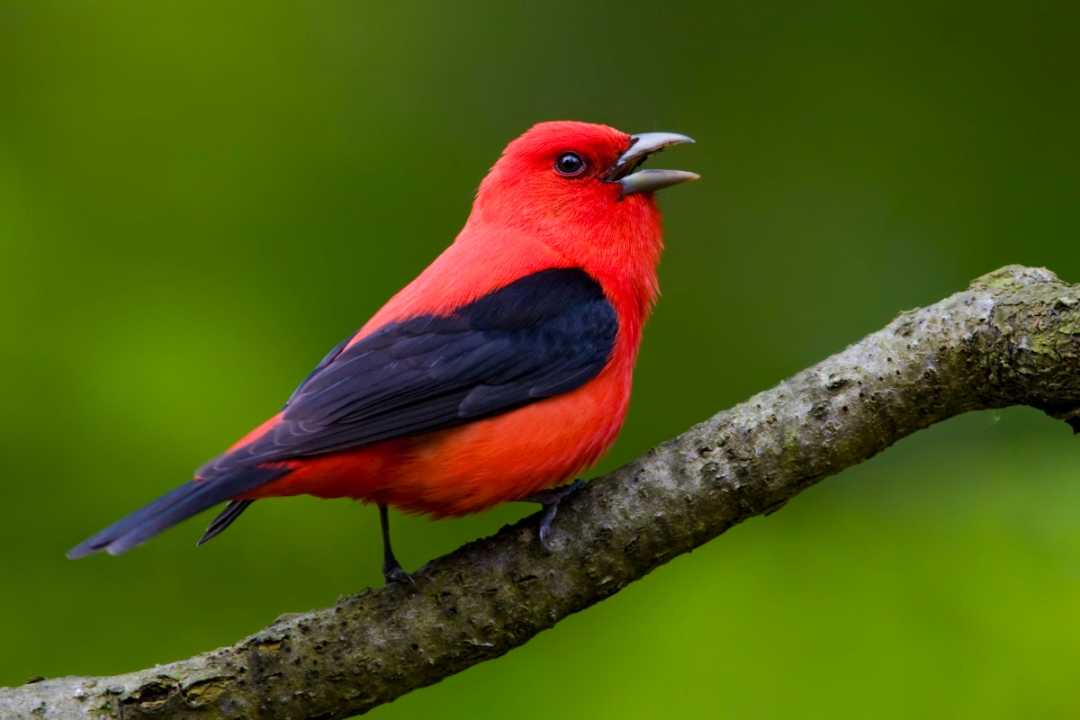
x=173 y=507
x=224 y=519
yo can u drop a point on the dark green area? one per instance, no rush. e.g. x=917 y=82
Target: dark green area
x=196 y=201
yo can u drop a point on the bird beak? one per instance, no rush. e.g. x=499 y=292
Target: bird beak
x=647 y=181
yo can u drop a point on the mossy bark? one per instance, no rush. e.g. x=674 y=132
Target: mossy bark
x=1012 y=338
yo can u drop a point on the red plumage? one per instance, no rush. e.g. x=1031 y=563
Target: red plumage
x=525 y=219
x=529 y=216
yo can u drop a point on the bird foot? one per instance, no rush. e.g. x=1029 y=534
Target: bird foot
x=550 y=500
x=393 y=573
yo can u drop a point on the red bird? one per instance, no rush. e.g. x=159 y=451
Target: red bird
x=502 y=370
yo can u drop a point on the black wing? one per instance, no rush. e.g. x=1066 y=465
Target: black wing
x=539 y=336
x=542 y=335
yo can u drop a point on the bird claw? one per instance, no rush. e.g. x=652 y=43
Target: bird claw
x=395 y=574
x=545 y=527
x=550 y=500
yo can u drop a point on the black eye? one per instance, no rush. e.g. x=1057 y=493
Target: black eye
x=569 y=165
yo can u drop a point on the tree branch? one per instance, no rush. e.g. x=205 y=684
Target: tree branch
x=1012 y=338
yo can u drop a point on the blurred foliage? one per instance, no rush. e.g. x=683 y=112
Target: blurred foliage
x=197 y=199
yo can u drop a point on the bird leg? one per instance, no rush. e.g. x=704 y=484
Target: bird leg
x=550 y=500
x=391 y=568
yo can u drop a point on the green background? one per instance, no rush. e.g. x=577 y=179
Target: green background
x=198 y=199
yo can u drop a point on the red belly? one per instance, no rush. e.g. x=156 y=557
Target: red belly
x=474 y=466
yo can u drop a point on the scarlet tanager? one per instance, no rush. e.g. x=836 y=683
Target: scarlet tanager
x=502 y=370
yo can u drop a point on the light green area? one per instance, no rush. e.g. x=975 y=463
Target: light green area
x=196 y=201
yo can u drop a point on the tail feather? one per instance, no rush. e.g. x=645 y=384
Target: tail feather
x=172 y=508
x=224 y=519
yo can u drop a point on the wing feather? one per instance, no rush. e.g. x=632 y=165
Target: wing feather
x=545 y=334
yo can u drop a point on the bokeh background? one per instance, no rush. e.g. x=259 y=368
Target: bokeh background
x=197 y=199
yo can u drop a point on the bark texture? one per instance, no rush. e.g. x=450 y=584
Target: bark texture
x=1012 y=338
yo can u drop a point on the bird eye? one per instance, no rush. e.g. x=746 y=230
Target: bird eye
x=570 y=165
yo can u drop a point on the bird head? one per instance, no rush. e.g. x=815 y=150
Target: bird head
x=575 y=177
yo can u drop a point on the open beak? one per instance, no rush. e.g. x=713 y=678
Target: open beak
x=625 y=170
